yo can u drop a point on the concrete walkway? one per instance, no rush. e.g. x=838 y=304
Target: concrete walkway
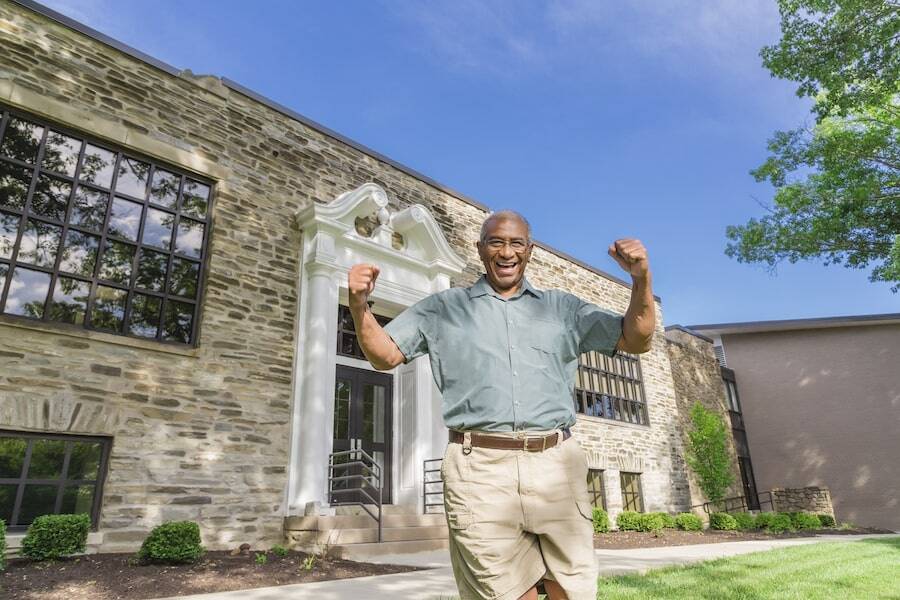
x=437 y=583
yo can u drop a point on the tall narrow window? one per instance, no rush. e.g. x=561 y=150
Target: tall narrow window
x=611 y=387
x=347 y=342
x=95 y=237
x=632 y=499
x=595 y=487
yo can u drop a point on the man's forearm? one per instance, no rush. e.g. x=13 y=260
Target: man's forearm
x=640 y=318
x=376 y=344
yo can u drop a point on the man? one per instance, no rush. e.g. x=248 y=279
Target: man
x=504 y=356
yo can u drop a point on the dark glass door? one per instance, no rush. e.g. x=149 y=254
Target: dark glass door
x=362 y=420
x=749 y=483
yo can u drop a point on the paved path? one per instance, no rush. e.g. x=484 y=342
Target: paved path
x=437 y=583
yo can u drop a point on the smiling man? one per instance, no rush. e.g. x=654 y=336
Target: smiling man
x=504 y=355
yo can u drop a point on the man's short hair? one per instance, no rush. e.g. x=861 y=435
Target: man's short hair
x=502 y=215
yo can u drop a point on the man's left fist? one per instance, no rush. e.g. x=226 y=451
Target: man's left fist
x=631 y=256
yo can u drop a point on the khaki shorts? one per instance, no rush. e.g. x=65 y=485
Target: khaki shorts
x=517 y=517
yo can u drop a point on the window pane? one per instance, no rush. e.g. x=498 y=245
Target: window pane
x=4 y=269
x=132 y=177
x=36 y=501
x=144 y=315
x=14 y=183
x=40 y=243
x=109 y=308
x=12 y=455
x=164 y=190
x=98 y=166
x=79 y=253
x=27 y=293
x=190 y=238
x=195 y=198
x=158 y=228
x=125 y=219
x=46 y=459
x=77 y=499
x=7 y=499
x=9 y=229
x=85 y=460
x=69 y=302
x=51 y=196
x=184 y=277
x=21 y=140
x=342 y=409
x=373 y=413
x=152 y=270
x=178 y=322
x=116 y=262
x=89 y=208
x=61 y=153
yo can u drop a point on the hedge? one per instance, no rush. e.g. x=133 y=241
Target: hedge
x=629 y=521
x=688 y=522
x=2 y=544
x=744 y=521
x=722 y=521
x=600 y=519
x=172 y=542
x=55 y=536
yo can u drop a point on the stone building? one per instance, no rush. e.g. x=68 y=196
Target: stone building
x=173 y=259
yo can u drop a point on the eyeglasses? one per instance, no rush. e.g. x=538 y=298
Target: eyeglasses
x=518 y=244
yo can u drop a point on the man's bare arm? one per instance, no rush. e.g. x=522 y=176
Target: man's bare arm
x=381 y=351
x=640 y=318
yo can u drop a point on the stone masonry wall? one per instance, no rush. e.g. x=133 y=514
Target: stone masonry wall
x=203 y=433
x=807 y=499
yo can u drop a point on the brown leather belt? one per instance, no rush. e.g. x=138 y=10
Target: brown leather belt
x=529 y=443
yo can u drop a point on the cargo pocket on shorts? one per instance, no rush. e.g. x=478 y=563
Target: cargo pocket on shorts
x=459 y=519
x=576 y=472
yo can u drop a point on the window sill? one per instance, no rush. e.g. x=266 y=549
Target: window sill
x=579 y=417
x=99 y=336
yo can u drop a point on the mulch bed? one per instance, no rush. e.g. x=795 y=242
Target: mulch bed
x=621 y=540
x=115 y=576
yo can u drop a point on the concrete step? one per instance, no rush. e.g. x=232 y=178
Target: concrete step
x=389 y=534
x=320 y=523
x=361 y=552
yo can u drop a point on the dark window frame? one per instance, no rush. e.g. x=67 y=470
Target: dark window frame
x=350 y=333
x=632 y=501
x=606 y=404
x=165 y=297
x=596 y=475
x=61 y=482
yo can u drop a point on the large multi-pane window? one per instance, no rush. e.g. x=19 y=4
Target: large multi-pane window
x=96 y=237
x=611 y=387
x=347 y=341
x=44 y=474
x=632 y=498
x=595 y=487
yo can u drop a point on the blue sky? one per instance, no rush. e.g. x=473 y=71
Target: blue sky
x=596 y=119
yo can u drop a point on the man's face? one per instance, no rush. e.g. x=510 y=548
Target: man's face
x=504 y=252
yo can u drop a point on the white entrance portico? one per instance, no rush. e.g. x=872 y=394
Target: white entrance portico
x=415 y=261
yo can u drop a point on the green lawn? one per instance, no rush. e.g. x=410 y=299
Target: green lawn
x=866 y=570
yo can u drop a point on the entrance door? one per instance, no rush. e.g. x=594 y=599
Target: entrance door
x=749 y=483
x=362 y=420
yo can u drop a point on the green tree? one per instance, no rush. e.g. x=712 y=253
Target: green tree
x=707 y=453
x=838 y=182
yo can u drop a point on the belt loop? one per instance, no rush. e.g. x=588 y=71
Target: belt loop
x=467 y=442
x=544 y=443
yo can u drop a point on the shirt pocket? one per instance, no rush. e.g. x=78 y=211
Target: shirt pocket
x=545 y=335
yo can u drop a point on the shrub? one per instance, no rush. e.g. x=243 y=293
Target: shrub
x=261 y=558
x=652 y=522
x=826 y=520
x=805 y=520
x=55 y=536
x=707 y=452
x=600 y=519
x=629 y=521
x=763 y=519
x=2 y=544
x=688 y=522
x=779 y=523
x=722 y=522
x=744 y=521
x=667 y=519
x=279 y=550
x=172 y=542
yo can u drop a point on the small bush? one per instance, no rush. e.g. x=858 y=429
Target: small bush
x=261 y=558
x=652 y=522
x=744 y=521
x=805 y=520
x=2 y=544
x=172 y=542
x=279 y=550
x=779 y=523
x=600 y=519
x=55 y=536
x=667 y=519
x=763 y=519
x=826 y=520
x=629 y=521
x=688 y=522
x=722 y=522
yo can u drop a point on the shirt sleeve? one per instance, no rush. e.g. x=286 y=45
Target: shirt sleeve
x=408 y=328
x=597 y=329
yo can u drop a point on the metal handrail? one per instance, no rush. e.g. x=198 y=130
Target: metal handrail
x=428 y=466
x=370 y=476
x=735 y=503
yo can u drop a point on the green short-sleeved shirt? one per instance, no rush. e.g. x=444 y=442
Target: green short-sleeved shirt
x=505 y=364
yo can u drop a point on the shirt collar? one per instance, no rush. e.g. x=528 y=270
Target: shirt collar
x=483 y=286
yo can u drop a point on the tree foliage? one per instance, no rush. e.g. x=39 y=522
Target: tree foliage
x=707 y=453
x=837 y=183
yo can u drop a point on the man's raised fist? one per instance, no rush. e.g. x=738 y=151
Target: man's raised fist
x=361 y=282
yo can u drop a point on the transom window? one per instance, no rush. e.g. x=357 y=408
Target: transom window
x=98 y=238
x=347 y=342
x=595 y=487
x=44 y=474
x=611 y=387
x=632 y=499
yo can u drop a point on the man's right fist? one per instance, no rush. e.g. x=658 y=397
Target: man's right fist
x=361 y=282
